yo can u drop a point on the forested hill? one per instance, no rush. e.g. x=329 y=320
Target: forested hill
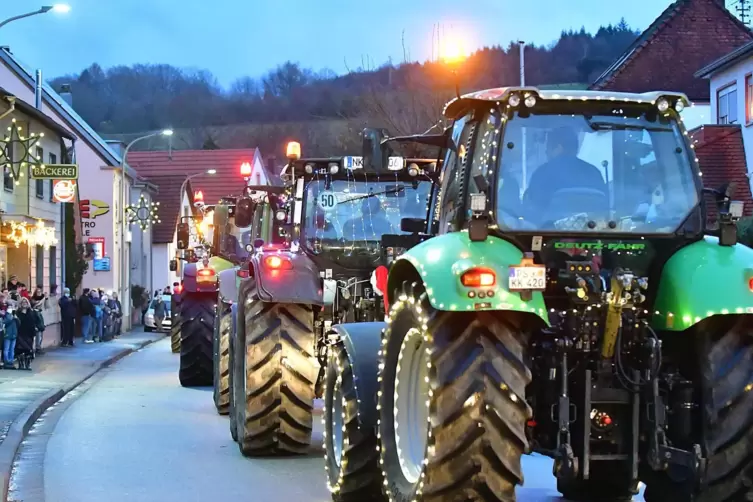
x=123 y=100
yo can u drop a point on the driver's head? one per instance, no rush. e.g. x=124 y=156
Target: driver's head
x=562 y=142
x=371 y=205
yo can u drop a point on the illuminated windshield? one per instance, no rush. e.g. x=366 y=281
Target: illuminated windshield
x=347 y=219
x=598 y=173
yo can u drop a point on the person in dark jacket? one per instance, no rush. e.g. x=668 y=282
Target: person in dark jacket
x=160 y=312
x=10 y=334
x=27 y=330
x=86 y=309
x=68 y=318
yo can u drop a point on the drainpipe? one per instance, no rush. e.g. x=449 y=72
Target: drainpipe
x=38 y=91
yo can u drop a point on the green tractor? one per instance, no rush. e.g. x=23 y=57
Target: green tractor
x=565 y=305
x=198 y=298
x=328 y=239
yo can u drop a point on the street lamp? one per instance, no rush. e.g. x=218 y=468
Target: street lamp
x=60 y=8
x=124 y=228
x=183 y=185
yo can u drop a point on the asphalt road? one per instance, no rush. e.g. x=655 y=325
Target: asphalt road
x=135 y=434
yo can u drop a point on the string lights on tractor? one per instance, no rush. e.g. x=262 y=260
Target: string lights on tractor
x=15 y=141
x=144 y=213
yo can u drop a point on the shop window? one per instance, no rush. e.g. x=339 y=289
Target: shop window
x=7 y=178
x=726 y=105
x=53 y=267
x=53 y=160
x=39 y=183
x=40 y=266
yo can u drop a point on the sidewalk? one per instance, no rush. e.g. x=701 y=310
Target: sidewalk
x=24 y=395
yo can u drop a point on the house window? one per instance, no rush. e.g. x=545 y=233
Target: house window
x=53 y=160
x=726 y=105
x=40 y=266
x=39 y=183
x=53 y=267
x=7 y=178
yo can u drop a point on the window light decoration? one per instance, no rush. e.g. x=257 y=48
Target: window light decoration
x=32 y=235
x=144 y=213
x=16 y=151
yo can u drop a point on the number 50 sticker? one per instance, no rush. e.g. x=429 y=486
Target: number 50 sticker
x=327 y=201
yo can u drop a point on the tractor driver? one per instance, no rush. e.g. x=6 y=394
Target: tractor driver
x=563 y=170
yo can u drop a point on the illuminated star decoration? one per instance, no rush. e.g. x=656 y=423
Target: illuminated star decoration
x=25 y=145
x=143 y=213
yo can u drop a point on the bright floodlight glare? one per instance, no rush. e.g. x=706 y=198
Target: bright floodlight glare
x=61 y=8
x=167 y=132
x=212 y=171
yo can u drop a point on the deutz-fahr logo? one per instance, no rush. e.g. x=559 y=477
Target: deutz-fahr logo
x=601 y=246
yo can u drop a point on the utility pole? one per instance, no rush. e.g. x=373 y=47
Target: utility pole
x=743 y=11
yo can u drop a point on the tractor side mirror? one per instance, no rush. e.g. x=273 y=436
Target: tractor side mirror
x=173 y=265
x=413 y=225
x=244 y=212
x=184 y=234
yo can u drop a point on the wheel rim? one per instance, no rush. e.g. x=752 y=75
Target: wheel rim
x=411 y=404
x=336 y=428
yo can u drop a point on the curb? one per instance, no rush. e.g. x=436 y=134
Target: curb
x=20 y=427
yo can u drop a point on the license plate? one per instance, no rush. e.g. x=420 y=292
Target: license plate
x=527 y=278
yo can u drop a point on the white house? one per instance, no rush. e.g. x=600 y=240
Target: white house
x=731 y=82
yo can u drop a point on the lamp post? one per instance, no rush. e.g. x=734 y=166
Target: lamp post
x=123 y=226
x=185 y=181
x=60 y=8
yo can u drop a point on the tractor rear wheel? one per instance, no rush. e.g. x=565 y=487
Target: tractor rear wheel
x=452 y=409
x=351 y=455
x=175 y=327
x=724 y=355
x=232 y=378
x=221 y=356
x=274 y=378
x=196 y=326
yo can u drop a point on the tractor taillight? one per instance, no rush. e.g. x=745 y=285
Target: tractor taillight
x=478 y=277
x=278 y=263
x=205 y=275
x=242 y=273
x=750 y=284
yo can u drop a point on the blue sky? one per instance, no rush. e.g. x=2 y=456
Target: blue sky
x=234 y=38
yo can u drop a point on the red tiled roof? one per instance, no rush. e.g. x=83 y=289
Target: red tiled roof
x=169 y=198
x=687 y=36
x=181 y=163
x=721 y=154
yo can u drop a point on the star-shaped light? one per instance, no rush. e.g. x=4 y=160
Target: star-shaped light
x=24 y=149
x=143 y=213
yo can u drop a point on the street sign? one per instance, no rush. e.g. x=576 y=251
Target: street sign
x=102 y=264
x=98 y=244
x=54 y=172
x=64 y=191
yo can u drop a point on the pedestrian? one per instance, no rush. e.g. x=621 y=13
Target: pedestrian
x=68 y=318
x=38 y=301
x=10 y=333
x=117 y=309
x=98 y=316
x=27 y=330
x=23 y=292
x=13 y=283
x=86 y=309
x=160 y=311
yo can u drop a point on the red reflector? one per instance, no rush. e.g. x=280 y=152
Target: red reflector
x=479 y=277
x=242 y=272
x=278 y=263
x=750 y=284
x=531 y=423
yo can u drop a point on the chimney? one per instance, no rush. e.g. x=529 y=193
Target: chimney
x=65 y=93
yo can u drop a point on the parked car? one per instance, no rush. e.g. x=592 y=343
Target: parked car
x=149 y=322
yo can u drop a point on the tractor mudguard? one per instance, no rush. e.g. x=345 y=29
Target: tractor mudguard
x=362 y=343
x=442 y=260
x=228 y=285
x=701 y=280
x=190 y=273
x=300 y=283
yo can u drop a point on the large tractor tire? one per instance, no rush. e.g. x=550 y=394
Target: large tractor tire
x=175 y=327
x=233 y=364
x=351 y=454
x=452 y=409
x=221 y=356
x=724 y=366
x=196 y=326
x=275 y=373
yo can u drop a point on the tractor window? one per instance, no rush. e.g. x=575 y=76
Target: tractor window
x=449 y=199
x=617 y=172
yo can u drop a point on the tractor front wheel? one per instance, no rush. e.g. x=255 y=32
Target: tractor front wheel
x=724 y=367
x=221 y=356
x=175 y=327
x=275 y=375
x=452 y=409
x=196 y=327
